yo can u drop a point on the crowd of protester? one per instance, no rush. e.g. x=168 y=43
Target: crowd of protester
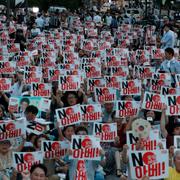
x=72 y=42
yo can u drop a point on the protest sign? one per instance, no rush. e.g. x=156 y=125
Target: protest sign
x=20 y=103
x=85 y=147
x=11 y=130
x=127 y=108
x=107 y=132
x=69 y=83
x=104 y=94
x=91 y=113
x=22 y=161
x=120 y=71
x=112 y=81
x=177 y=78
x=5 y=84
x=92 y=71
x=169 y=90
x=143 y=72
x=41 y=89
x=69 y=115
x=53 y=74
x=153 y=101
x=54 y=149
x=32 y=77
x=151 y=143
x=153 y=164
x=95 y=82
x=177 y=142
x=173 y=105
x=130 y=87
x=7 y=67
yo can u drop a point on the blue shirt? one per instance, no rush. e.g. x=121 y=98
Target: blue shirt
x=168 y=40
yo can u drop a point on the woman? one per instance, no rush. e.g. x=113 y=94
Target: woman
x=38 y=140
x=38 y=171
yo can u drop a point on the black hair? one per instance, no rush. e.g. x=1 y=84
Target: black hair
x=30 y=136
x=170 y=51
x=64 y=129
x=28 y=149
x=32 y=109
x=65 y=97
x=81 y=128
x=168 y=25
x=41 y=166
x=25 y=100
x=37 y=138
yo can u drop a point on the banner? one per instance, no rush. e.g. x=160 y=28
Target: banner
x=104 y=94
x=95 y=82
x=92 y=71
x=153 y=164
x=32 y=77
x=127 y=108
x=12 y=129
x=173 y=105
x=54 y=149
x=69 y=83
x=130 y=87
x=153 y=101
x=41 y=89
x=5 y=84
x=169 y=90
x=19 y=104
x=7 y=67
x=112 y=81
x=85 y=147
x=151 y=143
x=22 y=161
x=143 y=72
x=68 y=116
x=91 y=113
x=106 y=131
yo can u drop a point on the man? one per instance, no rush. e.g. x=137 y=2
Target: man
x=40 y=22
x=170 y=64
x=31 y=113
x=168 y=39
x=35 y=31
x=174 y=173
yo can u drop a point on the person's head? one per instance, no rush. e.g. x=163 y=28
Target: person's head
x=32 y=137
x=150 y=114
x=2 y=112
x=20 y=75
x=24 y=103
x=34 y=26
x=167 y=27
x=19 y=32
x=71 y=98
x=68 y=131
x=81 y=130
x=177 y=160
x=109 y=107
x=5 y=146
x=38 y=140
x=31 y=112
x=38 y=172
x=169 y=53
x=176 y=129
